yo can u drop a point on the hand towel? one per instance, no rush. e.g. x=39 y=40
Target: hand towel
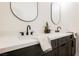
x=74 y=34
x=45 y=43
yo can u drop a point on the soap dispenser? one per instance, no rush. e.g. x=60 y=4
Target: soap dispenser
x=47 y=30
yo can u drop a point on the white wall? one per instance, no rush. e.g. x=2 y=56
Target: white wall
x=70 y=17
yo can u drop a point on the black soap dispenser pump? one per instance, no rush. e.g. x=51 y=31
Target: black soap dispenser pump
x=47 y=30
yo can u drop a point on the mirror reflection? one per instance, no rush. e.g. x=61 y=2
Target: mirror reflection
x=55 y=13
x=24 y=11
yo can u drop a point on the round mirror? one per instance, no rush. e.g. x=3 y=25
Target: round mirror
x=24 y=11
x=55 y=13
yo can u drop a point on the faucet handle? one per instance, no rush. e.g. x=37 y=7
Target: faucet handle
x=31 y=33
x=22 y=33
x=58 y=29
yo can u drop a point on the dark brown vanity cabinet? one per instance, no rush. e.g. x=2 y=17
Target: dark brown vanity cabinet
x=65 y=46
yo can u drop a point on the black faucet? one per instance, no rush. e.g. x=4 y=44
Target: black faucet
x=58 y=29
x=28 y=28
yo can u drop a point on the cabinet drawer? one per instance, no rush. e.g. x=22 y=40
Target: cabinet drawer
x=68 y=38
x=64 y=40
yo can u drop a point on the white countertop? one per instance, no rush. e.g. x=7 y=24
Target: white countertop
x=9 y=43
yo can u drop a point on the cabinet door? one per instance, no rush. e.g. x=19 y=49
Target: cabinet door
x=68 y=50
x=61 y=50
x=65 y=49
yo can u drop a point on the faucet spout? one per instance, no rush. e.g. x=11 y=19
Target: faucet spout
x=28 y=28
x=58 y=29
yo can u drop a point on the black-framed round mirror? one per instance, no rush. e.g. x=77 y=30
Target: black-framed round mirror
x=55 y=13
x=25 y=11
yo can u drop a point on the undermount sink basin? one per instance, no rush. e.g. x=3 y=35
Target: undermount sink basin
x=27 y=37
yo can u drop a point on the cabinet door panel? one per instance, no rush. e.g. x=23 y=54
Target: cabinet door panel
x=68 y=50
x=65 y=49
x=61 y=50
